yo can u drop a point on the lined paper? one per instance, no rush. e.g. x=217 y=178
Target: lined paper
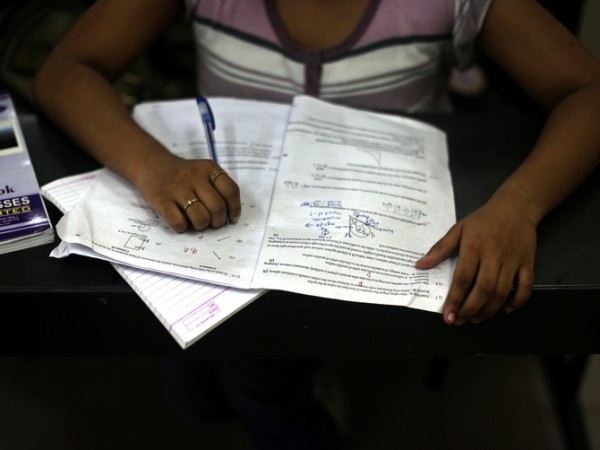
x=188 y=309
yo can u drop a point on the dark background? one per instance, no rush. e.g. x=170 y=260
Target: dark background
x=482 y=402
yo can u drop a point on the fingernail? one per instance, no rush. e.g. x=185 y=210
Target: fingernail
x=459 y=321
x=450 y=317
x=508 y=309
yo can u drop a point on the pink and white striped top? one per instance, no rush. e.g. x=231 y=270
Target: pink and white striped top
x=397 y=59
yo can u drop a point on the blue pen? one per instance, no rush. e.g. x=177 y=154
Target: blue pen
x=208 y=122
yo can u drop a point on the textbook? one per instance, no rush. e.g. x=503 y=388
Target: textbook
x=24 y=221
x=336 y=202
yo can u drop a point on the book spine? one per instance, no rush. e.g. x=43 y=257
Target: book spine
x=22 y=209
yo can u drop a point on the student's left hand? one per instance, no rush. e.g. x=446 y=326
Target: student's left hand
x=496 y=250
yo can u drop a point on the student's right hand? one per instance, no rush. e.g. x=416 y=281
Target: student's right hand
x=74 y=88
x=182 y=192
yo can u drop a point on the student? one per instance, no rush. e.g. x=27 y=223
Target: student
x=379 y=54
x=303 y=44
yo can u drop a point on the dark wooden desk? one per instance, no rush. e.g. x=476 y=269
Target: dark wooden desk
x=81 y=307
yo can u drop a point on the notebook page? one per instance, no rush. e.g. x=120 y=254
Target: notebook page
x=187 y=309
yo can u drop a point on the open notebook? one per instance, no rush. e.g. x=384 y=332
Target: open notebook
x=188 y=309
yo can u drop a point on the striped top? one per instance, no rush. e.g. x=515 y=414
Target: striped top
x=398 y=58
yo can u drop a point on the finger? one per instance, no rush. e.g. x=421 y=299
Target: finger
x=230 y=193
x=442 y=249
x=499 y=296
x=197 y=213
x=174 y=216
x=462 y=281
x=481 y=291
x=215 y=209
x=523 y=289
x=213 y=200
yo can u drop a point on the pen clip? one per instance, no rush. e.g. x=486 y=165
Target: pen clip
x=205 y=111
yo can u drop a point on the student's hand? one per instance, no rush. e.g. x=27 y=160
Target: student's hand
x=196 y=193
x=496 y=250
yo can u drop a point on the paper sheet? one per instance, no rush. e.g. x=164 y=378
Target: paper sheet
x=188 y=309
x=118 y=226
x=358 y=198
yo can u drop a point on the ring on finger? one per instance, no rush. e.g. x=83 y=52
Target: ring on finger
x=214 y=176
x=189 y=203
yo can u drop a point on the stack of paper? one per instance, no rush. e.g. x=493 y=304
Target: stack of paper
x=188 y=309
x=337 y=202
